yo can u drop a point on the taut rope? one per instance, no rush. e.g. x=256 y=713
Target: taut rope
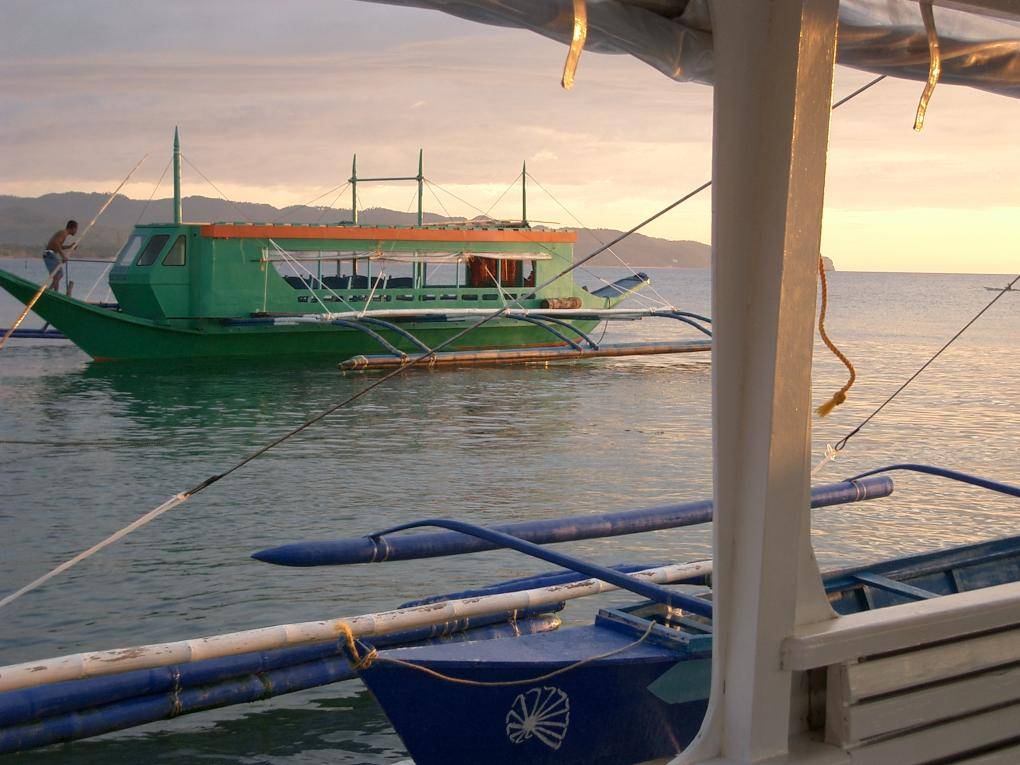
x=60 y=266
x=831 y=450
x=424 y=358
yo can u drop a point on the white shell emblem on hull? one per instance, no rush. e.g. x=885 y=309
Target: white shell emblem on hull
x=542 y=713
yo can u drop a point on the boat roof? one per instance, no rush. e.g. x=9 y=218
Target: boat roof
x=451 y=233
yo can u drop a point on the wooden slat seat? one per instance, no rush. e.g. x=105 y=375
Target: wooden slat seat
x=936 y=680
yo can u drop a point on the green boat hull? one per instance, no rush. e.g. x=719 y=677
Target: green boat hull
x=108 y=335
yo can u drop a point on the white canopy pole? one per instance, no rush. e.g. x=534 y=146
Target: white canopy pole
x=774 y=62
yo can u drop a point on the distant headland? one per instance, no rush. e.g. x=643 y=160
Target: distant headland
x=27 y=222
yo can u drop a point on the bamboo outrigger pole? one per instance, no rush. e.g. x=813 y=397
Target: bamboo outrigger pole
x=110 y=662
x=60 y=267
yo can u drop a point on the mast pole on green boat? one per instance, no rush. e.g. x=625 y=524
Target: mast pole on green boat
x=177 y=177
x=421 y=187
x=419 y=268
x=354 y=190
x=524 y=194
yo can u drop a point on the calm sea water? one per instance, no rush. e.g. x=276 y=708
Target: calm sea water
x=88 y=447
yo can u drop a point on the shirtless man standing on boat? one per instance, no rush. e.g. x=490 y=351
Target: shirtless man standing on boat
x=55 y=251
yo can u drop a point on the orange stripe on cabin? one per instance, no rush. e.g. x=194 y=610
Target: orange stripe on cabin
x=263 y=231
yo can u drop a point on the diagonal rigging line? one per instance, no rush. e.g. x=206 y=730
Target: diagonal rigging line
x=339 y=188
x=112 y=263
x=184 y=496
x=662 y=299
x=476 y=208
x=226 y=199
x=841 y=444
x=154 y=190
x=485 y=213
x=324 y=210
x=500 y=197
x=428 y=185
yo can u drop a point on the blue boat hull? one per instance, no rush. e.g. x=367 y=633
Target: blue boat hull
x=602 y=712
x=643 y=703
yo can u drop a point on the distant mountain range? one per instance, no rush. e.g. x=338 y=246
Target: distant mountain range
x=26 y=223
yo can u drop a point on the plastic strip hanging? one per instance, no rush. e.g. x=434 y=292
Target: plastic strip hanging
x=934 y=65
x=577 y=40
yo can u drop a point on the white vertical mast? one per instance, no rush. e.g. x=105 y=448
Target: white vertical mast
x=773 y=69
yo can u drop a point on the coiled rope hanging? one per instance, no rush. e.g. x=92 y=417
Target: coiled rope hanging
x=839 y=396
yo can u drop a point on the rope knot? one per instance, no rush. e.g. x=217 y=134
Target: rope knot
x=358 y=661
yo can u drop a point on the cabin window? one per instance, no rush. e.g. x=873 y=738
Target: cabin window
x=301 y=269
x=178 y=254
x=441 y=274
x=152 y=250
x=511 y=273
x=481 y=272
x=399 y=274
x=129 y=250
x=517 y=273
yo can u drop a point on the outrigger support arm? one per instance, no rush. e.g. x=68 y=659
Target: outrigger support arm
x=572 y=328
x=352 y=324
x=685 y=318
x=645 y=589
x=543 y=325
x=399 y=330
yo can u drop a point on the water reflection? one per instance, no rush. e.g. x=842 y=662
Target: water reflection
x=489 y=445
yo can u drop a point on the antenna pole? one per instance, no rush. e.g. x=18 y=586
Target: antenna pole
x=354 y=190
x=419 y=268
x=177 y=177
x=524 y=194
x=421 y=188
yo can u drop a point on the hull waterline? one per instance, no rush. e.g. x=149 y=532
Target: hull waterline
x=108 y=335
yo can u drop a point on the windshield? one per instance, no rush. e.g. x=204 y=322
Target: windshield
x=152 y=250
x=129 y=250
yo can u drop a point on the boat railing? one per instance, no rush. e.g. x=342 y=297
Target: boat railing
x=920 y=681
x=388 y=292
x=927 y=679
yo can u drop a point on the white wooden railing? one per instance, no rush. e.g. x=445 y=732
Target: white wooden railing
x=933 y=681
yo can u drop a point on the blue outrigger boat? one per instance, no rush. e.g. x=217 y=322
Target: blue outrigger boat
x=629 y=688
x=633 y=685
x=644 y=699
x=486 y=675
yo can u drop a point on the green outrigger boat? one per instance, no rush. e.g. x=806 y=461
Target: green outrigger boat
x=242 y=290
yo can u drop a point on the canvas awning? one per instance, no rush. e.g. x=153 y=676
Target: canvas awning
x=675 y=36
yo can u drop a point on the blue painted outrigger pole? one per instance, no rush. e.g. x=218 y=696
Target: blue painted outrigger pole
x=378 y=548
x=75 y=709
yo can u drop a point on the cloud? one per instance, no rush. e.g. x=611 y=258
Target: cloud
x=273 y=99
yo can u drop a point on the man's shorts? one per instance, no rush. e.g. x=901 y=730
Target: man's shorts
x=51 y=259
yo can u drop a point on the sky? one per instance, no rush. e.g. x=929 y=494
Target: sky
x=273 y=99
